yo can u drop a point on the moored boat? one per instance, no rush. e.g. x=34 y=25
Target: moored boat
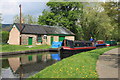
x=100 y=43
x=111 y=42
x=70 y=47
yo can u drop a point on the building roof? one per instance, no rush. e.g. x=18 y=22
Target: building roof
x=39 y=29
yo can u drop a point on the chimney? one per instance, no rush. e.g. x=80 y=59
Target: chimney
x=20 y=18
x=20 y=22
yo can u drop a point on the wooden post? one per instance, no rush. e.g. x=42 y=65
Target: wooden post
x=64 y=42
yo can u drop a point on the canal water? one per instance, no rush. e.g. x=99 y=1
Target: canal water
x=23 y=66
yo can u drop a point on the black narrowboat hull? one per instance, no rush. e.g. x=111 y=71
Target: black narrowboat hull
x=69 y=52
x=100 y=45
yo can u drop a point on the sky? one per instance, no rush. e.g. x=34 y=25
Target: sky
x=10 y=8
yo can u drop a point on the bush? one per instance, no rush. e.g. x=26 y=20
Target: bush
x=5 y=36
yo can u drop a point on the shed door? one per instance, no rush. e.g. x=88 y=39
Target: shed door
x=30 y=41
x=61 y=38
x=52 y=39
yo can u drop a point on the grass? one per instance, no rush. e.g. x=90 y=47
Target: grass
x=12 y=48
x=82 y=65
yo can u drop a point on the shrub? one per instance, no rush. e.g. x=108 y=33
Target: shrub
x=5 y=36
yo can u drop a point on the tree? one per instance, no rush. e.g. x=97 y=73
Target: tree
x=0 y=22
x=5 y=36
x=0 y=28
x=84 y=19
x=64 y=14
x=0 y=18
x=111 y=8
x=27 y=19
x=95 y=23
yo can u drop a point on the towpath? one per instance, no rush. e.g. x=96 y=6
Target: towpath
x=107 y=65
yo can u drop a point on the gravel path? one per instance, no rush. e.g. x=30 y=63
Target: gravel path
x=107 y=65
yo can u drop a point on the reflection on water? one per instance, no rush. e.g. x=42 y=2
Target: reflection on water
x=27 y=65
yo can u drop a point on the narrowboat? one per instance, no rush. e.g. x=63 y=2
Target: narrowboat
x=70 y=47
x=100 y=43
x=111 y=42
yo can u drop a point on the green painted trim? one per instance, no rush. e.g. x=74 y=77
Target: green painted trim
x=52 y=39
x=15 y=26
x=61 y=38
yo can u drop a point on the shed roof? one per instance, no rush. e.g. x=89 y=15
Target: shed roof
x=39 y=29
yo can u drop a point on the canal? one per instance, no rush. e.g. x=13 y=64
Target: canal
x=23 y=66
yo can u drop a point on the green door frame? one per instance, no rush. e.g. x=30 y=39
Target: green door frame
x=30 y=40
x=52 y=39
x=61 y=38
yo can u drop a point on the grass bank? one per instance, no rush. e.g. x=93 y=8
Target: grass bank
x=12 y=48
x=82 y=65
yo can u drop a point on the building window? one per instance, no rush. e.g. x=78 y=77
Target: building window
x=45 y=36
x=39 y=39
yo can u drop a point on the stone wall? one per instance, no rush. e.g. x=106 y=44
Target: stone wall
x=44 y=41
x=70 y=37
x=24 y=39
x=56 y=38
x=48 y=40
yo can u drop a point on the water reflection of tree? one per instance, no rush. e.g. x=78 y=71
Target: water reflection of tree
x=5 y=63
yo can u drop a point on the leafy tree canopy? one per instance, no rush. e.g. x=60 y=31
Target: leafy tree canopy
x=63 y=14
x=27 y=19
x=111 y=8
x=5 y=36
x=96 y=23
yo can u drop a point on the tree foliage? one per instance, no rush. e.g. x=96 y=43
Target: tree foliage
x=111 y=8
x=84 y=19
x=63 y=14
x=5 y=36
x=0 y=18
x=95 y=23
x=0 y=22
x=27 y=19
x=0 y=28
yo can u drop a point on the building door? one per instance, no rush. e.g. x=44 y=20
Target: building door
x=61 y=38
x=30 y=41
x=52 y=39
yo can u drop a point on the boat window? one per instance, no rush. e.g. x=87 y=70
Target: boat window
x=89 y=44
x=82 y=44
x=78 y=44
